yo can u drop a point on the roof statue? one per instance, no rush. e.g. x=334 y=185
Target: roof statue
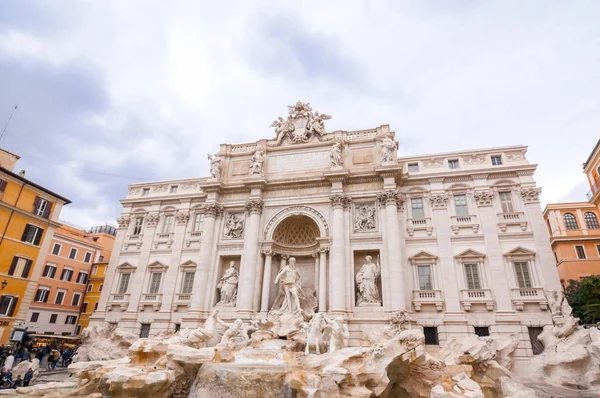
x=301 y=125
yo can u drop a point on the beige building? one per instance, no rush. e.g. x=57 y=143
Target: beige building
x=457 y=238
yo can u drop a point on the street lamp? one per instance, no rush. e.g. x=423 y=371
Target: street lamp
x=4 y=283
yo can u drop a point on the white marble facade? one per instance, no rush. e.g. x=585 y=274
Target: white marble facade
x=456 y=238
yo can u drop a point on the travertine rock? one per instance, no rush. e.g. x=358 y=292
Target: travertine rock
x=103 y=341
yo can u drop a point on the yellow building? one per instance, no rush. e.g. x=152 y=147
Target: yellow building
x=28 y=217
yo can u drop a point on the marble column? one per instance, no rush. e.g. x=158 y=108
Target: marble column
x=390 y=199
x=323 y=279
x=266 y=286
x=248 y=267
x=211 y=212
x=316 y=273
x=284 y=258
x=337 y=296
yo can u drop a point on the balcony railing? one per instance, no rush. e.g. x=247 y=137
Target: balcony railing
x=153 y=299
x=517 y=216
x=184 y=297
x=520 y=296
x=119 y=299
x=459 y=222
x=416 y=224
x=428 y=297
x=514 y=218
x=477 y=296
x=464 y=219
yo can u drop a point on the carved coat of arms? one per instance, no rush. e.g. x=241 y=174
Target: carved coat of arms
x=301 y=124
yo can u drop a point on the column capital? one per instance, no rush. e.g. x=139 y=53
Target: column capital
x=123 y=221
x=213 y=209
x=267 y=252
x=315 y=254
x=254 y=206
x=390 y=197
x=531 y=195
x=151 y=220
x=483 y=198
x=438 y=201
x=324 y=249
x=182 y=217
x=340 y=200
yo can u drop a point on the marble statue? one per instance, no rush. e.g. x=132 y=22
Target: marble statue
x=316 y=124
x=282 y=128
x=215 y=166
x=301 y=124
x=290 y=284
x=234 y=226
x=234 y=332
x=339 y=334
x=228 y=286
x=364 y=218
x=336 y=155
x=388 y=148
x=314 y=333
x=200 y=337
x=256 y=164
x=366 y=283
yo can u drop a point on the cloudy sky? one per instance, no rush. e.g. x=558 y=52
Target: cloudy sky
x=115 y=92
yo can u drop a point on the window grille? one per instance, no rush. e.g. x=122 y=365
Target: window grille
x=145 y=330
x=570 y=221
x=536 y=345
x=482 y=331
x=431 y=335
x=591 y=220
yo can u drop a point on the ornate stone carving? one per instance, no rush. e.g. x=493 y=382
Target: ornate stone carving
x=255 y=206
x=515 y=156
x=215 y=167
x=339 y=199
x=160 y=188
x=483 y=198
x=123 y=221
x=400 y=321
x=151 y=220
x=182 y=217
x=365 y=217
x=212 y=209
x=234 y=226
x=367 y=293
x=433 y=163
x=388 y=150
x=386 y=197
x=474 y=159
x=439 y=201
x=189 y=186
x=135 y=191
x=228 y=285
x=301 y=124
x=531 y=195
x=335 y=155
x=257 y=161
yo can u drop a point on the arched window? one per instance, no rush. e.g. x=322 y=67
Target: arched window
x=570 y=221
x=591 y=220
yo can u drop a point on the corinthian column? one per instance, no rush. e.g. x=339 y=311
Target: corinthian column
x=266 y=287
x=323 y=279
x=391 y=200
x=337 y=297
x=211 y=212
x=248 y=266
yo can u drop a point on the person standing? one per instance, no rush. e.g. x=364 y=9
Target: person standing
x=27 y=378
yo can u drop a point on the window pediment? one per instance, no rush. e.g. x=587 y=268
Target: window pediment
x=189 y=264
x=423 y=257
x=470 y=254
x=520 y=252
x=126 y=266
x=157 y=266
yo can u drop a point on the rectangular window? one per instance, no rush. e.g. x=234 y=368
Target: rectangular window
x=56 y=249
x=482 y=331
x=89 y=288
x=41 y=207
x=453 y=164
x=87 y=258
x=580 y=252
x=41 y=296
x=413 y=167
x=145 y=191
x=496 y=160
x=472 y=275
x=32 y=234
x=82 y=278
x=77 y=330
x=3 y=185
x=523 y=278
x=145 y=330
x=506 y=202
x=167 y=223
x=34 y=317
x=124 y=283
x=137 y=225
x=173 y=189
x=536 y=345
x=76 y=298
x=431 y=335
x=49 y=271
x=155 y=278
x=53 y=318
x=84 y=307
x=416 y=205
x=460 y=203
x=188 y=282
x=20 y=267
x=73 y=254
x=100 y=260
x=70 y=320
x=100 y=288
x=60 y=296
x=95 y=306
x=8 y=305
x=66 y=275
x=198 y=222
x=95 y=269
x=424 y=272
x=598 y=248
x=177 y=327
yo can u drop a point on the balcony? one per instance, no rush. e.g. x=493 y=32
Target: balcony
x=165 y=238
x=419 y=224
x=476 y=296
x=522 y=296
x=458 y=222
x=428 y=297
x=153 y=299
x=193 y=238
x=119 y=299
x=508 y=219
x=182 y=300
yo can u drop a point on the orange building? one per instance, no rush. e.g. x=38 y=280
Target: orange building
x=591 y=168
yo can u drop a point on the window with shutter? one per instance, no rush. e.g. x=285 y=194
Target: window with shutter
x=506 y=202
x=425 y=281
x=26 y=269
x=75 y=300
x=5 y=305
x=472 y=275
x=20 y=267
x=124 y=283
x=2 y=185
x=460 y=204
x=416 y=205
x=155 y=282
x=53 y=318
x=523 y=277
x=13 y=266
x=188 y=282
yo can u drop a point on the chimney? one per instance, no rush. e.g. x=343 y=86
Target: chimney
x=22 y=173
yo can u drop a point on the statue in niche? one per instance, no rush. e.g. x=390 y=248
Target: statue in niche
x=388 y=148
x=256 y=164
x=234 y=226
x=215 y=167
x=292 y=298
x=228 y=286
x=366 y=283
x=336 y=155
x=364 y=218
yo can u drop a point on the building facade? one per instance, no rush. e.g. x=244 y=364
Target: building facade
x=575 y=238
x=105 y=237
x=28 y=218
x=457 y=238
x=591 y=168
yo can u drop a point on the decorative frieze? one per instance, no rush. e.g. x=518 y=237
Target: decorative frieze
x=438 y=201
x=433 y=163
x=123 y=221
x=151 y=220
x=182 y=217
x=483 y=198
x=234 y=226
x=160 y=188
x=254 y=206
x=213 y=209
x=135 y=191
x=515 y=156
x=339 y=199
x=474 y=159
x=365 y=217
x=531 y=195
